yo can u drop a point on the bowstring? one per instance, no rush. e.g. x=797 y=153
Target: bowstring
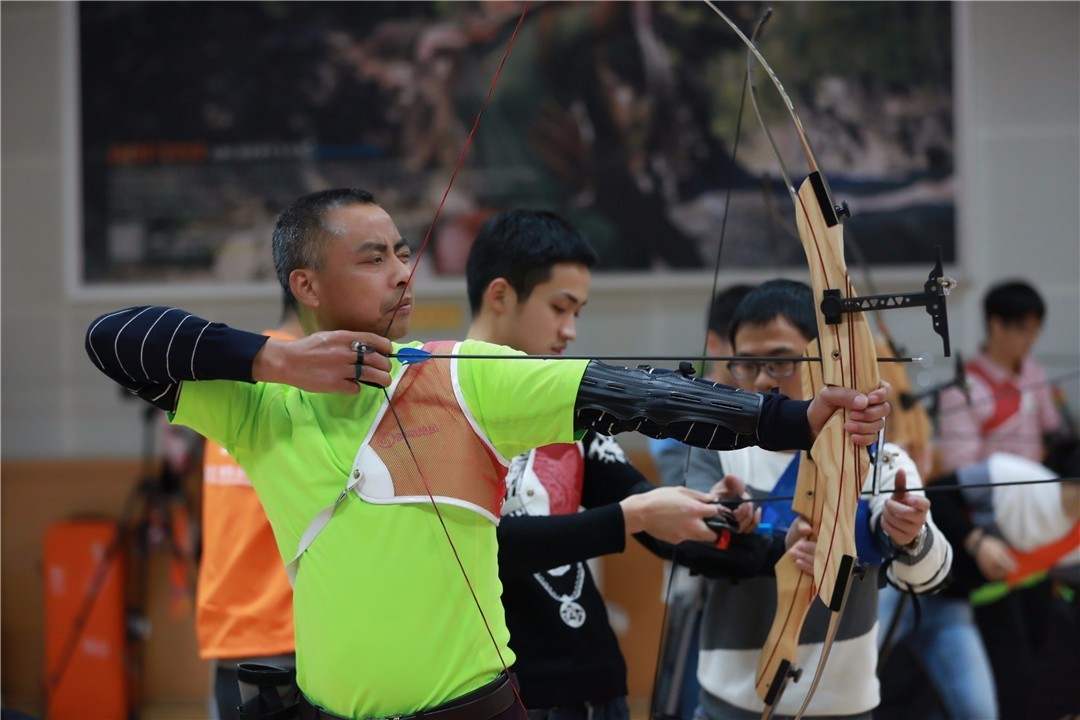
x=453 y=547
x=460 y=162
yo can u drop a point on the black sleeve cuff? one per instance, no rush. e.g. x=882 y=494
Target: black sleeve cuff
x=532 y=543
x=228 y=354
x=783 y=424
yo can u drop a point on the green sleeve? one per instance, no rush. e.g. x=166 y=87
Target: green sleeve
x=519 y=404
x=219 y=410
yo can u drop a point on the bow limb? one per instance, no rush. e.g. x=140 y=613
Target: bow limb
x=794 y=594
x=795 y=590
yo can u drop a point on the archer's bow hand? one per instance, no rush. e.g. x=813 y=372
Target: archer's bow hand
x=867 y=411
x=904 y=514
x=327 y=362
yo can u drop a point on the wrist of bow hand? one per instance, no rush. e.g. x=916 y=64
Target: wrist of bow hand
x=914 y=547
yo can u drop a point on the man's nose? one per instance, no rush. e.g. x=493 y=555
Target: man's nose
x=763 y=382
x=569 y=329
x=404 y=269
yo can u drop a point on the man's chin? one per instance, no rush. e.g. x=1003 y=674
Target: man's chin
x=399 y=328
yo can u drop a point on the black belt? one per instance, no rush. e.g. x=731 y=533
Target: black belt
x=485 y=702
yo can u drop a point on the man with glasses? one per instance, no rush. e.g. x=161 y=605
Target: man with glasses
x=777 y=319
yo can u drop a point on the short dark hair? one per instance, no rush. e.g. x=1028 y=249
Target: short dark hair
x=722 y=308
x=522 y=246
x=300 y=234
x=789 y=299
x=1012 y=302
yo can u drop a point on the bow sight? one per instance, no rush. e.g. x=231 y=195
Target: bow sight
x=932 y=297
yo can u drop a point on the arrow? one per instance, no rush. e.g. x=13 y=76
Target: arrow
x=413 y=356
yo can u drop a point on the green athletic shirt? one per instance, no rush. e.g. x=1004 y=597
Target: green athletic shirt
x=385 y=624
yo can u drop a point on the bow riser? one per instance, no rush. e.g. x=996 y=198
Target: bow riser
x=849 y=359
x=831 y=477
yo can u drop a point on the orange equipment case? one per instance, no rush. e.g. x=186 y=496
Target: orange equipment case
x=85 y=646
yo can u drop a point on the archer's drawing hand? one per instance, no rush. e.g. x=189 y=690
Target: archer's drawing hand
x=745 y=514
x=671 y=514
x=800 y=546
x=867 y=416
x=325 y=362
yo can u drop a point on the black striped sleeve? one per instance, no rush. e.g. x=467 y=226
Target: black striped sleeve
x=151 y=350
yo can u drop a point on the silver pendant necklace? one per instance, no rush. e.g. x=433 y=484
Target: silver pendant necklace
x=571 y=612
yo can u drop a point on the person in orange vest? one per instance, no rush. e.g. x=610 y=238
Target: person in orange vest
x=243 y=609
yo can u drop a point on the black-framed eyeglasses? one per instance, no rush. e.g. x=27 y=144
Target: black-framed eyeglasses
x=747 y=370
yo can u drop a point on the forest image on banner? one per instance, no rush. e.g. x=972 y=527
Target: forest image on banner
x=200 y=121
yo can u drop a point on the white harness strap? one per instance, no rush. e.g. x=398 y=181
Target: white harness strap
x=322 y=519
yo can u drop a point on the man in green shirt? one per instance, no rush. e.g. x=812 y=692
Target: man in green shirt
x=364 y=495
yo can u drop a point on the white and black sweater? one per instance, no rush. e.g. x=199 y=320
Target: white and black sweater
x=739 y=613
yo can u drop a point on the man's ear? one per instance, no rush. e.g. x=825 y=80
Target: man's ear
x=499 y=297
x=304 y=288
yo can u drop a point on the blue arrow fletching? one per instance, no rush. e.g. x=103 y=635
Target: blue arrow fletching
x=412 y=356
